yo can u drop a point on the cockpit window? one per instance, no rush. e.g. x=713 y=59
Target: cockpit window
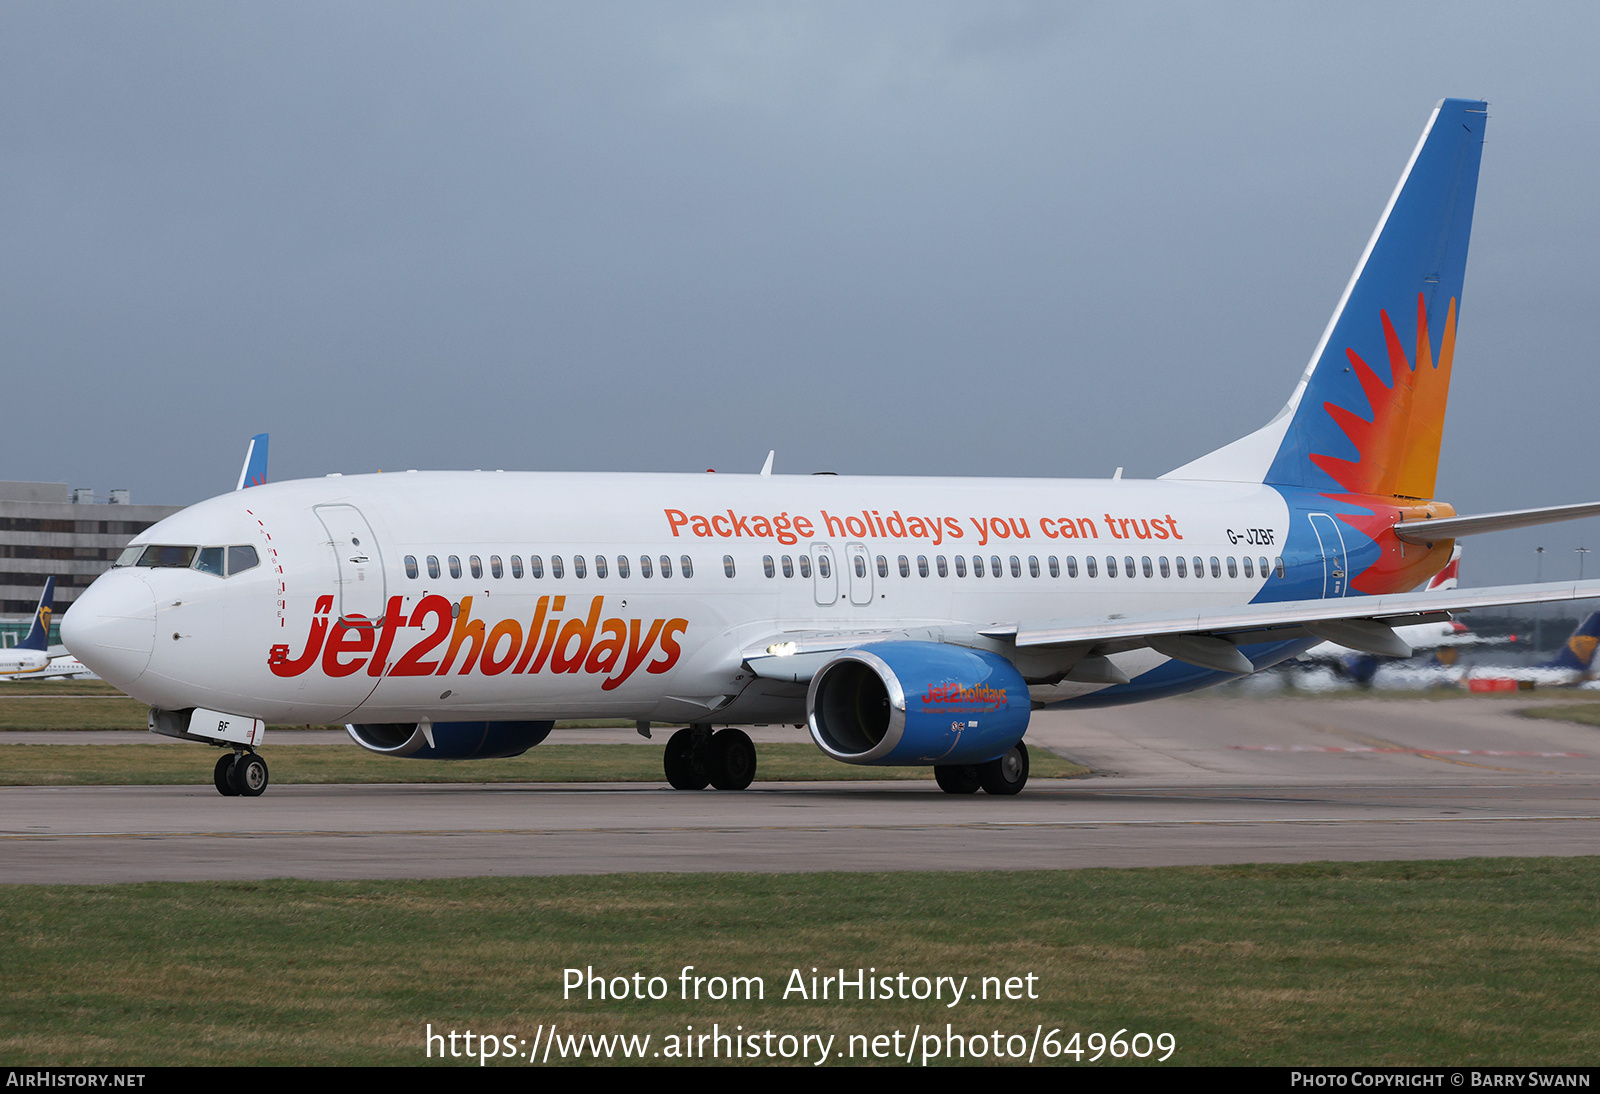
x=210 y=561
x=243 y=558
x=129 y=556
x=177 y=558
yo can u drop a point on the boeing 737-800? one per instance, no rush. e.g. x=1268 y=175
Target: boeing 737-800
x=906 y=620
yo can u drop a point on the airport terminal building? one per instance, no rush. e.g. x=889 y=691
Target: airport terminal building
x=48 y=528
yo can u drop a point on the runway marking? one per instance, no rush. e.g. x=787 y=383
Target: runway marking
x=638 y=829
x=1412 y=751
x=1378 y=744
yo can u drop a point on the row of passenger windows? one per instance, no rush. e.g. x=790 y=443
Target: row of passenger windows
x=995 y=566
x=558 y=567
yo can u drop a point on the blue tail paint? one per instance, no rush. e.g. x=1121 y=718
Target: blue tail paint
x=38 y=637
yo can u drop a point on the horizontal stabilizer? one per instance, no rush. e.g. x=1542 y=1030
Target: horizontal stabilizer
x=1431 y=531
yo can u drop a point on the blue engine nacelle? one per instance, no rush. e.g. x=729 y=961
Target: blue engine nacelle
x=917 y=703
x=450 y=740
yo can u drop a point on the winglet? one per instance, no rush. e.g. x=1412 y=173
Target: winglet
x=254 y=471
x=39 y=634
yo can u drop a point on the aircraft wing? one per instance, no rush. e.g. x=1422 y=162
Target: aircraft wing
x=1204 y=637
x=1209 y=637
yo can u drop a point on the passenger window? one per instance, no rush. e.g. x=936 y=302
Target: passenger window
x=622 y=566
x=824 y=568
x=1072 y=565
x=455 y=565
x=1033 y=565
x=994 y=566
x=727 y=565
x=1089 y=566
x=599 y=565
x=495 y=568
x=1199 y=566
x=1144 y=563
x=1233 y=567
x=210 y=561
x=644 y=566
x=244 y=558
x=433 y=565
x=905 y=566
x=580 y=568
x=861 y=566
x=1111 y=565
x=961 y=565
x=1263 y=567
x=535 y=565
x=1278 y=569
x=1248 y=570
x=477 y=565
x=768 y=567
x=805 y=565
x=1216 y=567
x=1166 y=571
x=556 y=567
x=883 y=566
x=977 y=566
x=666 y=565
x=944 y=570
x=1183 y=570
x=1055 y=566
x=788 y=566
x=1127 y=565
x=922 y=565
x=685 y=566
x=411 y=566
x=516 y=567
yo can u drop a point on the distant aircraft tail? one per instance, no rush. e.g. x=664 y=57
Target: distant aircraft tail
x=254 y=471
x=1450 y=576
x=38 y=637
x=1578 y=654
x=1368 y=413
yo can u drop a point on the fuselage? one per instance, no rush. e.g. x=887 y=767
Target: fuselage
x=497 y=595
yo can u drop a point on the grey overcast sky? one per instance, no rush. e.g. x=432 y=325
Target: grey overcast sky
x=891 y=238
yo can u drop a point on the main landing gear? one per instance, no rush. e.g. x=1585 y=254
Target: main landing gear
x=696 y=757
x=242 y=774
x=1005 y=776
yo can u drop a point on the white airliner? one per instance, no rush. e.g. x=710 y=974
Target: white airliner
x=34 y=658
x=907 y=621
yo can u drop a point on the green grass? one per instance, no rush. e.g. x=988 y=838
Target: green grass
x=160 y=764
x=1470 y=962
x=1584 y=713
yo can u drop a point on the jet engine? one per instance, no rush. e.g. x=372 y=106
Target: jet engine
x=450 y=740
x=917 y=703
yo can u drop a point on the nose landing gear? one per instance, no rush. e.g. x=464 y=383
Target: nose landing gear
x=242 y=774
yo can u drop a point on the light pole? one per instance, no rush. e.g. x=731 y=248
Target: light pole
x=1538 y=609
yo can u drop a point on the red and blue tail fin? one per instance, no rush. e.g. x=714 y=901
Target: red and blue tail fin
x=1368 y=413
x=254 y=471
x=38 y=636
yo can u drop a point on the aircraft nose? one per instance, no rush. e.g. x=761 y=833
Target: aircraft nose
x=112 y=627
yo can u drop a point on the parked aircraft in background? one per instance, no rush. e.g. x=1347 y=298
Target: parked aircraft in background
x=34 y=658
x=906 y=621
x=1571 y=667
x=1442 y=640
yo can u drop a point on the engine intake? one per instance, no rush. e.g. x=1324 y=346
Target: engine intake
x=917 y=703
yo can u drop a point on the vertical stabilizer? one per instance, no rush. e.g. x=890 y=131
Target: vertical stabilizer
x=254 y=471
x=1368 y=413
x=38 y=637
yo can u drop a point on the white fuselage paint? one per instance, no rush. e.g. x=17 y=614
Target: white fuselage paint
x=178 y=638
